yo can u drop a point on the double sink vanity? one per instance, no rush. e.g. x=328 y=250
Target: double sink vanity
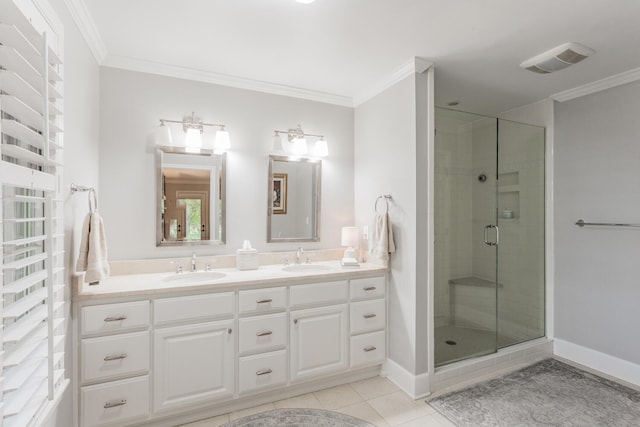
x=164 y=349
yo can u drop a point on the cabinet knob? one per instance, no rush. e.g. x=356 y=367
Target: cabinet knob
x=229 y=330
x=263 y=372
x=369 y=348
x=115 y=318
x=115 y=404
x=115 y=357
x=263 y=301
x=263 y=333
x=295 y=321
x=369 y=288
x=369 y=315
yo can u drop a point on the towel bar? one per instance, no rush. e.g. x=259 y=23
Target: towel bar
x=581 y=223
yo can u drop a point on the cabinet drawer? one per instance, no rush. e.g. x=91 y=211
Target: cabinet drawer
x=368 y=349
x=262 y=371
x=368 y=288
x=260 y=300
x=317 y=293
x=194 y=307
x=115 y=402
x=367 y=316
x=262 y=333
x=114 y=317
x=114 y=355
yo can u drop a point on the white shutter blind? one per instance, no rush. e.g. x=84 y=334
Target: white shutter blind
x=32 y=310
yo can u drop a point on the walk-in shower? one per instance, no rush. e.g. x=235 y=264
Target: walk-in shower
x=489 y=234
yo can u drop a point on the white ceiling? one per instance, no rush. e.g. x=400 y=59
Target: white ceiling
x=346 y=47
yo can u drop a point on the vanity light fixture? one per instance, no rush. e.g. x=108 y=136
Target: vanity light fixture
x=193 y=128
x=298 y=140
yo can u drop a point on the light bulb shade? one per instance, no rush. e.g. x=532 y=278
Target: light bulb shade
x=193 y=141
x=299 y=146
x=350 y=236
x=321 y=149
x=222 y=142
x=277 y=143
x=163 y=136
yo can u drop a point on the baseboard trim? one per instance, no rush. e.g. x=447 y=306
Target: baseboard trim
x=602 y=362
x=416 y=386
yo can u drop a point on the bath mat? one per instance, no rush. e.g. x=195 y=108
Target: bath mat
x=548 y=393
x=298 y=418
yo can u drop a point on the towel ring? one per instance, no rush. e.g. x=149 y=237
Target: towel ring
x=386 y=199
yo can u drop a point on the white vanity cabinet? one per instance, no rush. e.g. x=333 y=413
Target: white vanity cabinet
x=319 y=341
x=368 y=320
x=193 y=362
x=114 y=363
x=159 y=360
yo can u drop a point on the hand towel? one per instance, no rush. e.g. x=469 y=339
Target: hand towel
x=381 y=243
x=93 y=249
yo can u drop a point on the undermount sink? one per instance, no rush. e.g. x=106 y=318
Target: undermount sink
x=308 y=268
x=195 y=277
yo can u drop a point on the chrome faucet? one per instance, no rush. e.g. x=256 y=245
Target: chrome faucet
x=193 y=262
x=299 y=253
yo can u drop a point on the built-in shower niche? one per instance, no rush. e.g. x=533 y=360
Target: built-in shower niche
x=509 y=189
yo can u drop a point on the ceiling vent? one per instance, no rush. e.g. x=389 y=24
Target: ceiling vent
x=557 y=58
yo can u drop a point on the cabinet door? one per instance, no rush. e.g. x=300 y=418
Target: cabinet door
x=319 y=341
x=193 y=364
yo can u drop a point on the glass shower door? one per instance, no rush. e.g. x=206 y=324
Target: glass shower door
x=521 y=213
x=466 y=236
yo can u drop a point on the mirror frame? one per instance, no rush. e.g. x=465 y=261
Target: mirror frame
x=223 y=196
x=318 y=179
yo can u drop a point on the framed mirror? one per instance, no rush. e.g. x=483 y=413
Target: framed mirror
x=190 y=198
x=293 y=210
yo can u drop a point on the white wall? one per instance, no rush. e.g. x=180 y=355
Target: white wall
x=388 y=151
x=81 y=84
x=597 y=173
x=131 y=105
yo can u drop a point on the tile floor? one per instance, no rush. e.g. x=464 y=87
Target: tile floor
x=376 y=400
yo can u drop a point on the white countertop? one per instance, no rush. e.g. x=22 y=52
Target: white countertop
x=155 y=284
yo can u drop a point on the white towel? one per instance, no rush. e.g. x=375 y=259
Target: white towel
x=93 y=249
x=382 y=243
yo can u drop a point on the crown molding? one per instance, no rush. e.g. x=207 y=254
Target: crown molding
x=87 y=26
x=598 y=85
x=413 y=66
x=150 y=67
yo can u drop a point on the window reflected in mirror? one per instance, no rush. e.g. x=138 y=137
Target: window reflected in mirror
x=191 y=199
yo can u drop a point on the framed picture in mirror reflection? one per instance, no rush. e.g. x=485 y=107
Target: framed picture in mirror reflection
x=279 y=197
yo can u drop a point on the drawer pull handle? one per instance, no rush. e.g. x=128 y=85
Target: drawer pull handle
x=115 y=404
x=263 y=333
x=369 y=288
x=370 y=348
x=263 y=301
x=369 y=315
x=115 y=357
x=115 y=318
x=263 y=372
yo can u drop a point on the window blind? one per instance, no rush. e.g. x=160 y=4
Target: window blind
x=33 y=312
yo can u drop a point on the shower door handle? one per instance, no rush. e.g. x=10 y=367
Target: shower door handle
x=486 y=235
